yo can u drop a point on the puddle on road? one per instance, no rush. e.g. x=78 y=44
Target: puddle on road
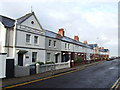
x=112 y=68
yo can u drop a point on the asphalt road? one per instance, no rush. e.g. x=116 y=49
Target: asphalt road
x=102 y=75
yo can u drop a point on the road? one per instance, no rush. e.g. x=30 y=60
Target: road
x=102 y=75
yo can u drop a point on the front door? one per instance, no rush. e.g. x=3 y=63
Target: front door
x=9 y=68
x=20 y=59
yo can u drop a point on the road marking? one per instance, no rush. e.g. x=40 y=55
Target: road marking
x=12 y=86
x=42 y=79
x=115 y=84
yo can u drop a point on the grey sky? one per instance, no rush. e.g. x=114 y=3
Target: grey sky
x=93 y=20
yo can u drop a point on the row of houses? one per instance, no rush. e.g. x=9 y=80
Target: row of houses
x=25 y=40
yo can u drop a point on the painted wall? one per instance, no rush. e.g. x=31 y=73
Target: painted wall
x=21 y=40
x=52 y=56
x=28 y=23
x=3 y=65
x=57 y=47
x=27 y=57
x=70 y=49
x=2 y=38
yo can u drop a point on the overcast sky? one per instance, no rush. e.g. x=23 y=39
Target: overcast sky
x=93 y=20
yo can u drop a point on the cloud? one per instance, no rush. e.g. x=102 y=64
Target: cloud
x=95 y=21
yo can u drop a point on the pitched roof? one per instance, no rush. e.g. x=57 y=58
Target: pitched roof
x=93 y=45
x=7 y=22
x=51 y=34
x=104 y=50
x=23 y=18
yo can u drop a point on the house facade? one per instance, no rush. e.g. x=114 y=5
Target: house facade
x=26 y=41
x=30 y=40
x=52 y=46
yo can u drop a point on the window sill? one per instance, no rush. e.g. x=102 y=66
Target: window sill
x=28 y=43
x=55 y=47
x=50 y=46
x=36 y=44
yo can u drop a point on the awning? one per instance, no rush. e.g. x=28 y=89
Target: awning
x=22 y=51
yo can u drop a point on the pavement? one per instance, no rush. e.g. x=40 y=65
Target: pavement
x=103 y=75
x=19 y=80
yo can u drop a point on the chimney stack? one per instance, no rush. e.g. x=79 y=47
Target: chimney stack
x=76 y=38
x=85 y=42
x=102 y=48
x=61 y=32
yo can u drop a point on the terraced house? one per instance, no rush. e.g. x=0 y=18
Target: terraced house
x=26 y=41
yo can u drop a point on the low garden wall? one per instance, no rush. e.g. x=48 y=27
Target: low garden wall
x=51 y=67
x=22 y=71
x=26 y=70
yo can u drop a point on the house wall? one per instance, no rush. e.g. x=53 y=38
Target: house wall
x=53 y=50
x=22 y=45
x=28 y=23
x=2 y=65
x=27 y=57
x=26 y=27
x=2 y=38
x=57 y=47
x=77 y=48
x=7 y=40
x=70 y=49
x=21 y=40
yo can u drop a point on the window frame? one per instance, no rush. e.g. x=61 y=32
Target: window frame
x=65 y=45
x=37 y=40
x=49 y=43
x=28 y=39
x=54 y=44
x=47 y=60
x=34 y=56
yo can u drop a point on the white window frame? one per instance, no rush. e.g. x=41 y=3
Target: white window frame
x=50 y=43
x=65 y=45
x=37 y=40
x=29 y=39
x=54 y=43
x=35 y=57
x=47 y=60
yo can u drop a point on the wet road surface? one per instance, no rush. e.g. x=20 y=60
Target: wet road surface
x=102 y=75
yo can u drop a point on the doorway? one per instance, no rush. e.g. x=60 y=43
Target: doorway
x=9 y=68
x=56 y=58
x=20 y=59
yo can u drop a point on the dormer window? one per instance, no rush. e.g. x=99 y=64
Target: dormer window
x=32 y=22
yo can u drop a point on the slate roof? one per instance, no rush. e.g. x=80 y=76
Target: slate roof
x=7 y=22
x=93 y=45
x=51 y=34
x=106 y=50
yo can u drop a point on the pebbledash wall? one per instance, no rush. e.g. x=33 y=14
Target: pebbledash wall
x=25 y=40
